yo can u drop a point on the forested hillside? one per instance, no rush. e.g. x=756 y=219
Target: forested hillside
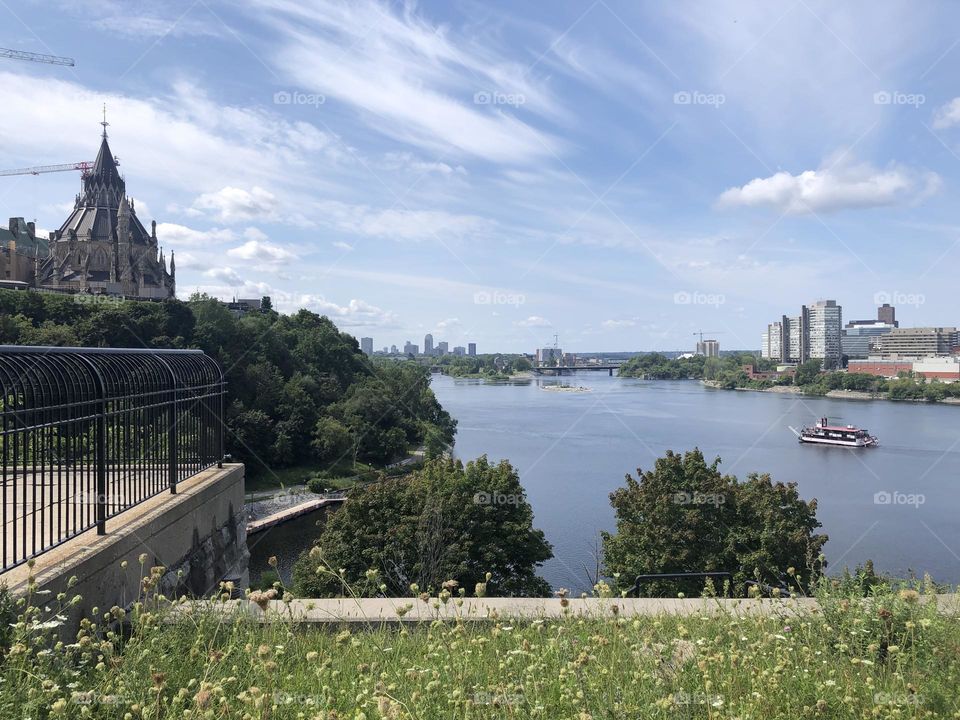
x=298 y=389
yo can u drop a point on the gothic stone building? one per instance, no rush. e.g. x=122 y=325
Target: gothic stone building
x=102 y=247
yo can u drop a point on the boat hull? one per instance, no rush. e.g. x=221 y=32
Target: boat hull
x=839 y=443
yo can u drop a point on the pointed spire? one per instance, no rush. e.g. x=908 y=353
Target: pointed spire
x=104 y=123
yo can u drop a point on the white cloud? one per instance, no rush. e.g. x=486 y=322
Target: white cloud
x=340 y=245
x=405 y=160
x=356 y=313
x=231 y=204
x=617 y=324
x=534 y=321
x=262 y=252
x=834 y=187
x=401 y=224
x=409 y=78
x=183 y=236
x=948 y=115
x=449 y=324
x=225 y=274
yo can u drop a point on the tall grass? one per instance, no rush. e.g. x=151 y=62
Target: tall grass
x=888 y=655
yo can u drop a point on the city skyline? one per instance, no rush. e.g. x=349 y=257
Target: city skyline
x=622 y=176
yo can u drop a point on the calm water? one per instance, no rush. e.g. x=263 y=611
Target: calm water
x=573 y=449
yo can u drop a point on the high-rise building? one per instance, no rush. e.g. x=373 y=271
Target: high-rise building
x=787 y=339
x=796 y=339
x=394 y=350
x=708 y=348
x=471 y=349
x=772 y=344
x=547 y=357
x=459 y=350
x=443 y=347
x=886 y=313
x=366 y=345
x=428 y=344
x=410 y=349
x=824 y=323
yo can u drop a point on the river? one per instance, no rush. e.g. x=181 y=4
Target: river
x=573 y=449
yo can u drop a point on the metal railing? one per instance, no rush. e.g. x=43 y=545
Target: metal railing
x=88 y=433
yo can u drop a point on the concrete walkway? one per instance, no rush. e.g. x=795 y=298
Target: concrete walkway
x=380 y=610
x=282 y=516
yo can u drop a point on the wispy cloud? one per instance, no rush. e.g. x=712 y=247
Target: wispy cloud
x=412 y=79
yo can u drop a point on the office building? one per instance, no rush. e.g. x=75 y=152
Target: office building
x=428 y=344
x=708 y=348
x=886 y=313
x=915 y=342
x=366 y=345
x=459 y=350
x=471 y=349
x=858 y=335
x=824 y=323
x=410 y=349
x=443 y=347
x=549 y=356
x=394 y=350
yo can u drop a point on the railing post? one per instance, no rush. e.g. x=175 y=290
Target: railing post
x=172 y=439
x=100 y=439
x=220 y=448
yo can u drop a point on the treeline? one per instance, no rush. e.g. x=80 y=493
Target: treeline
x=483 y=365
x=727 y=372
x=656 y=366
x=299 y=391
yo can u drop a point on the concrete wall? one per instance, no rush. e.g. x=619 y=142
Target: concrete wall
x=198 y=535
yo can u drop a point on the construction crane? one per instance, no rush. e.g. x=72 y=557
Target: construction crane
x=83 y=167
x=36 y=57
x=701 y=333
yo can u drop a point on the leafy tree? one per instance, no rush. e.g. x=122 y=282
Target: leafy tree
x=331 y=441
x=445 y=521
x=807 y=372
x=684 y=516
x=521 y=364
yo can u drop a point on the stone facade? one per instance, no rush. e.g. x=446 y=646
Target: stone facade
x=103 y=247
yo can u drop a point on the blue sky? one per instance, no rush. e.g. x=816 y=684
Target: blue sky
x=620 y=174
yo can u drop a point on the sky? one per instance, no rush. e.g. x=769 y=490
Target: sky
x=619 y=175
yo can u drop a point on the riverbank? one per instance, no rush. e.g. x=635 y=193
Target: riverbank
x=833 y=394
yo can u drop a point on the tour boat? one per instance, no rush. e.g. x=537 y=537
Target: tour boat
x=845 y=435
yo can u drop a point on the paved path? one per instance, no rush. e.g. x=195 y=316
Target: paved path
x=380 y=610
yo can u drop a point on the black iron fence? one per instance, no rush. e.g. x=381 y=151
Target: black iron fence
x=89 y=433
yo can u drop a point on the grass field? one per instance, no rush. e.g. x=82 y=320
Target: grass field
x=890 y=656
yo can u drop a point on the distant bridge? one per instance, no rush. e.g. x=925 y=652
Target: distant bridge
x=569 y=369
